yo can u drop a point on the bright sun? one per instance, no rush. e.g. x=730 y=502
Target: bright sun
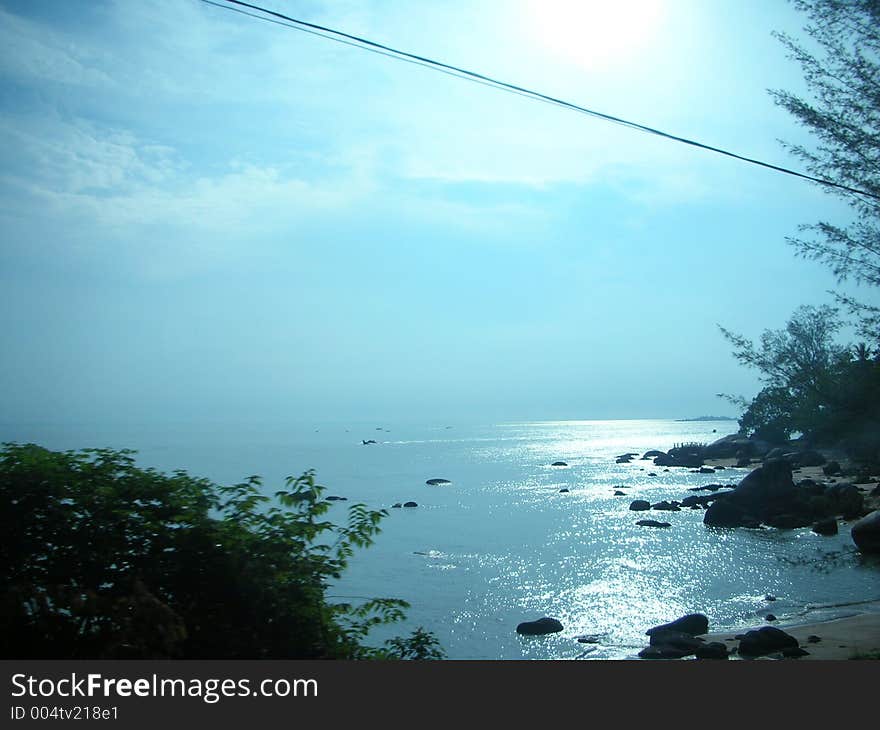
x=593 y=33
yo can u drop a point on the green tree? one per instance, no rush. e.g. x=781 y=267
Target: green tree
x=842 y=112
x=102 y=559
x=827 y=392
x=800 y=366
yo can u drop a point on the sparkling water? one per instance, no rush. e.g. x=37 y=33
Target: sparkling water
x=501 y=543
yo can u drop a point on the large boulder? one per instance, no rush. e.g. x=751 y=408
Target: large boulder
x=766 y=495
x=725 y=513
x=846 y=499
x=678 y=639
x=866 y=533
x=766 y=640
x=727 y=447
x=712 y=650
x=541 y=626
x=687 y=456
x=770 y=482
x=693 y=624
x=640 y=505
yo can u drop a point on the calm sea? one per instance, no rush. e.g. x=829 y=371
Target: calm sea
x=502 y=544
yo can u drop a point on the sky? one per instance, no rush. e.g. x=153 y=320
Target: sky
x=207 y=216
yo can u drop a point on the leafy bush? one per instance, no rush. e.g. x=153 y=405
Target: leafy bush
x=102 y=559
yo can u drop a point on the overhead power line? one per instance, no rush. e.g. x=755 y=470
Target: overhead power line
x=365 y=44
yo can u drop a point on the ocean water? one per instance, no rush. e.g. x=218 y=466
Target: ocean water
x=501 y=544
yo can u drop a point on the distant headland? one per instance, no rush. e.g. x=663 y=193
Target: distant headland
x=706 y=418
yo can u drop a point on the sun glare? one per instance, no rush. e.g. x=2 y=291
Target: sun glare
x=594 y=33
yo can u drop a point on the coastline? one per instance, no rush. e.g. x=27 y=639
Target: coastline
x=849 y=637
x=853 y=635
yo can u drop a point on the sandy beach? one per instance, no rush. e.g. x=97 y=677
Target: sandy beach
x=852 y=637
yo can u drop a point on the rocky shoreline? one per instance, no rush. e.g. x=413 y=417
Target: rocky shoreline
x=789 y=487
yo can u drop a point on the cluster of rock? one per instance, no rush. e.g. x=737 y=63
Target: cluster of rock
x=769 y=496
x=682 y=638
x=742 y=448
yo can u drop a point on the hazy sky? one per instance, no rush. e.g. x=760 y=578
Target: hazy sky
x=208 y=216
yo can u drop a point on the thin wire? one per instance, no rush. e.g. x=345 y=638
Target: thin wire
x=462 y=73
x=372 y=50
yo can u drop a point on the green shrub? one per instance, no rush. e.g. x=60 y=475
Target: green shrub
x=102 y=559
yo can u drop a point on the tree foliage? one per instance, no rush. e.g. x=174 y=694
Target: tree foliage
x=102 y=559
x=843 y=114
x=829 y=393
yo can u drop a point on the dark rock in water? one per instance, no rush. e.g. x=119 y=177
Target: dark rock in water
x=396 y=505
x=706 y=470
x=652 y=523
x=712 y=650
x=618 y=493
x=653 y=454
x=410 y=504
x=788 y=521
x=827 y=526
x=667 y=506
x=707 y=488
x=367 y=442
x=695 y=501
x=652 y=474
x=435 y=482
x=769 y=482
x=693 y=624
x=564 y=489
x=769 y=598
x=334 y=498
x=541 y=626
x=686 y=456
x=832 y=468
x=866 y=533
x=768 y=495
x=720 y=468
x=723 y=513
x=558 y=463
x=770 y=617
x=623 y=460
x=640 y=505
x=766 y=640
x=676 y=639
x=813 y=639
